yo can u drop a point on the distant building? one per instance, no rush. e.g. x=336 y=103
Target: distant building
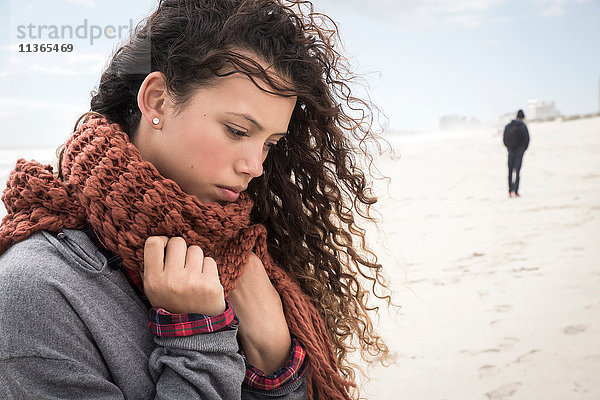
x=541 y=110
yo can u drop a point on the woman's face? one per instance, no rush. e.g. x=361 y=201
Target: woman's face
x=217 y=144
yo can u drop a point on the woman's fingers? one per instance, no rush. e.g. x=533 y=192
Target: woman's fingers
x=180 y=279
x=194 y=259
x=195 y=262
x=210 y=267
x=154 y=254
x=176 y=253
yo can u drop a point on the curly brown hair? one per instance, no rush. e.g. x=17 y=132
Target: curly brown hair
x=314 y=186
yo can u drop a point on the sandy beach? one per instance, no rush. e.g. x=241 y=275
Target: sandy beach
x=500 y=296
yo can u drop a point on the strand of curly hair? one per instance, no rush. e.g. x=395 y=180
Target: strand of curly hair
x=314 y=193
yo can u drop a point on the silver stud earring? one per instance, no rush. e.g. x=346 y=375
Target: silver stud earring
x=155 y=121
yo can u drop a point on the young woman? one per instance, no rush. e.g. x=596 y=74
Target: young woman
x=198 y=239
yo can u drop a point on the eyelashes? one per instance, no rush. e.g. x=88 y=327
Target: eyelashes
x=239 y=134
x=236 y=132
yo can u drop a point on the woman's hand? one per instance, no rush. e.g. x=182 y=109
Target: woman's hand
x=263 y=331
x=181 y=280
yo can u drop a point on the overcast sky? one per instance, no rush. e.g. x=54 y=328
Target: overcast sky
x=422 y=59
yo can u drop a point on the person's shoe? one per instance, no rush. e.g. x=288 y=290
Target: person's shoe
x=516 y=194
x=509 y=194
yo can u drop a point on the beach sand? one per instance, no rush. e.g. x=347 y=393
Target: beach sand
x=500 y=296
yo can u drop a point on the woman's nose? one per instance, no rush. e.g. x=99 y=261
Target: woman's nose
x=250 y=163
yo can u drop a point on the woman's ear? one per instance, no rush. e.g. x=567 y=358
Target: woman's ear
x=151 y=99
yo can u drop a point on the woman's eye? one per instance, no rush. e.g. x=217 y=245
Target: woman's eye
x=236 y=132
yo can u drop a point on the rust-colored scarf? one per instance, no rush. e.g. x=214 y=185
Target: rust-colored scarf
x=107 y=185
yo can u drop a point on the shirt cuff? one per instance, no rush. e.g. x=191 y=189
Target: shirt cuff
x=164 y=324
x=294 y=368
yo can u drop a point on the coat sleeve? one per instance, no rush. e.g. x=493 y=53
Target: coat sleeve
x=526 y=140
x=208 y=366
x=504 y=135
x=202 y=366
x=213 y=373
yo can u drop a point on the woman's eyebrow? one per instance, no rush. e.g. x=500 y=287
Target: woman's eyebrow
x=248 y=117
x=252 y=120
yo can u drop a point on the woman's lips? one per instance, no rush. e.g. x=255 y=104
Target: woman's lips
x=228 y=194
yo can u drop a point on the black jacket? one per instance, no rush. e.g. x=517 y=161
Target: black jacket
x=525 y=138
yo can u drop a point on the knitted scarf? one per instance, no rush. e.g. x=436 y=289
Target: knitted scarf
x=108 y=186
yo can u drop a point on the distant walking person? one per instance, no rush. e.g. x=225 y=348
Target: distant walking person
x=516 y=140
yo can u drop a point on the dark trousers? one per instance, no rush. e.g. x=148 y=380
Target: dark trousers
x=515 y=158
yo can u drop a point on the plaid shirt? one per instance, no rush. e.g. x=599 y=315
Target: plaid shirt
x=163 y=323
x=294 y=368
